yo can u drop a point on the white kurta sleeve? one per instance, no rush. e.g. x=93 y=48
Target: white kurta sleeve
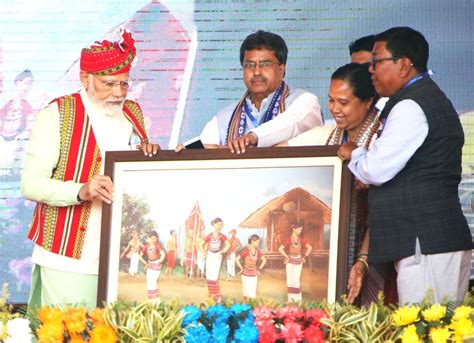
x=210 y=133
x=303 y=114
x=41 y=159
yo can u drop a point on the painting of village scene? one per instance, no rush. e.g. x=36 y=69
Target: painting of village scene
x=231 y=232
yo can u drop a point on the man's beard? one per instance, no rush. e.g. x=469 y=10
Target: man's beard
x=109 y=105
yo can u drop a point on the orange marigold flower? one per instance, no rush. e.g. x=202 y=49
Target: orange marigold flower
x=50 y=314
x=50 y=332
x=102 y=333
x=97 y=315
x=75 y=320
x=76 y=339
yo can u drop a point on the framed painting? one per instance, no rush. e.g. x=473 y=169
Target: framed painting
x=270 y=223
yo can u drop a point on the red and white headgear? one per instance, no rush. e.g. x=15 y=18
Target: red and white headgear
x=109 y=58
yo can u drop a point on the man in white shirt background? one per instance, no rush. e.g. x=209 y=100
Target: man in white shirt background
x=270 y=111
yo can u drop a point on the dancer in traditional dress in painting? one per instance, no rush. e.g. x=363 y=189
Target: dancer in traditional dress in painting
x=215 y=245
x=291 y=250
x=249 y=269
x=155 y=256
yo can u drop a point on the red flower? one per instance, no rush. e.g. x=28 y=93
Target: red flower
x=267 y=333
x=313 y=316
x=314 y=335
x=292 y=332
x=290 y=312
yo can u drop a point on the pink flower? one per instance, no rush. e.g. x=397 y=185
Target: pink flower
x=314 y=335
x=263 y=315
x=313 y=316
x=290 y=312
x=292 y=332
x=267 y=333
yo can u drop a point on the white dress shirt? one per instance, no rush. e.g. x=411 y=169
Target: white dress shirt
x=111 y=133
x=404 y=131
x=302 y=113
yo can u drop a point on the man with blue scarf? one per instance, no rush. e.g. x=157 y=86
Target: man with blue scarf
x=269 y=112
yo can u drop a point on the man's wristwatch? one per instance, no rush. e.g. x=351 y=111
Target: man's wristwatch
x=79 y=198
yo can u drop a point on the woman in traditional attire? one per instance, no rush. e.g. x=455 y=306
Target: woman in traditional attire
x=292 y=251
x=155 y=256
x=215 y=245
x=249 y=270
x=352 y=105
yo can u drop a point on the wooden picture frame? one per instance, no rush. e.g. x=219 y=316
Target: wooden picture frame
x=260 y=192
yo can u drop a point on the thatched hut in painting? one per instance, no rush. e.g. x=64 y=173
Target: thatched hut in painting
x=296 y=205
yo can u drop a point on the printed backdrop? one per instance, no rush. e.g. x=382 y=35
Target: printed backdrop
x=188 y=68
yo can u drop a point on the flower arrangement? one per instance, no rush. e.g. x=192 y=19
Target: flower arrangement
x=219 y=324
x=434 y=323
x=258 y=322
x=73 y=324
x=289 y=324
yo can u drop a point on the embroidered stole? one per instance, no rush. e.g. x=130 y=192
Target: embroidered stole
x=365 y=135
x=238 y=119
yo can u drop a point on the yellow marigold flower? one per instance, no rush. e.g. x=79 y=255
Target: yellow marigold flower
x=50 y=332
x=50 y=314
x=97 y=315
x=462 y=326
x=462 y=312
x=409 y=335
x=76 y=339
x=103 y=334
x=406 y=315
x=434 y=313
x=75 y=320
x=440 y=334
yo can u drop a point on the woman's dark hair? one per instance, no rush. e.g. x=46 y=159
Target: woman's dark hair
x=253 y=238
x=296 y=225
x=216 y=220
x=358 y=77
x=407 y=42
x=265 y=40
x=153 y=233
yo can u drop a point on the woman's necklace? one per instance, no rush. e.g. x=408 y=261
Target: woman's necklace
x=295 y=243
x=253 y=254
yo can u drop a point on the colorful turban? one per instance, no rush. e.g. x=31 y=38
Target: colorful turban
x=109 y=58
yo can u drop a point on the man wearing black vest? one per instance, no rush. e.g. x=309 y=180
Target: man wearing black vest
x=413 y=170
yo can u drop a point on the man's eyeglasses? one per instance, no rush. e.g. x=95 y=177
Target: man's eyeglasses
x=109 y=85
x=248 y=65
x=374 y=61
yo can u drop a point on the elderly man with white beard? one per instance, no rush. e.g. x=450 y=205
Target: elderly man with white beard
x=63 y=173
